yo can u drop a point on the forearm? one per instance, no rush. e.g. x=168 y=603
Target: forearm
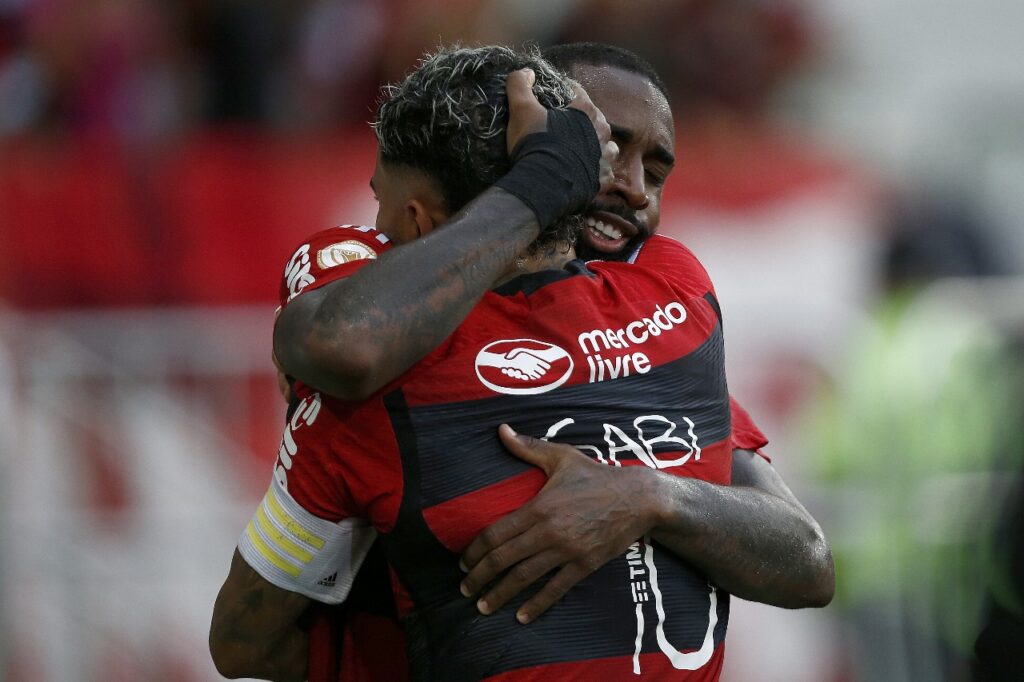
x=287 y=661
x=353 y=336
x=752 y=543
x=255 y=628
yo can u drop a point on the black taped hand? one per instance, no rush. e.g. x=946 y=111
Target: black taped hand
x=556 y=172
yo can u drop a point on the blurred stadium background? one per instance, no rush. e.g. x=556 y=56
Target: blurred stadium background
x=159 y=161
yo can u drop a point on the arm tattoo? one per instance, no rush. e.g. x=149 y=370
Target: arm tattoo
x=255 y=627
x=750 y=541
x=409 y=301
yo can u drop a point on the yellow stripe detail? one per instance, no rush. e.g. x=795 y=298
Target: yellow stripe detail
x=290 y=524
x=269 y=554
x=279 y=538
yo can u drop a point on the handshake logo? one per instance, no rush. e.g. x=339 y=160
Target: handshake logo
x=523 y=366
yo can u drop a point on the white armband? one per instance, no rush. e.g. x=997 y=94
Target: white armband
x=303 y=553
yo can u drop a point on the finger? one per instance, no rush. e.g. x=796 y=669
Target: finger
x=502 y=558
x=583 y=102
x=522 y=575
x=551 y=593
x=609 y=154
x=525 y=113
x=519 y=88
x=609 y=149
x=539 y=453
x=601 y=126
x=495 y=535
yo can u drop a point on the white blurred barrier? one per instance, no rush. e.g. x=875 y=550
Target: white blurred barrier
x=133 y=447
x=125 y=484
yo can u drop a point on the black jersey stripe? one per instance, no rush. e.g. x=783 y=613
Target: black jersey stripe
x=528 y=283
x=459 y=450
x=425 y=566
x=452 y=449
x=713 y=302
x=448 y=639
x=595 y=620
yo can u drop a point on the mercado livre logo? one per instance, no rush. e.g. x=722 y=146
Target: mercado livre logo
x=523 y=366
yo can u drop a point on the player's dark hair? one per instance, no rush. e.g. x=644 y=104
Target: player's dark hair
x=568 y=55
x=449 y=116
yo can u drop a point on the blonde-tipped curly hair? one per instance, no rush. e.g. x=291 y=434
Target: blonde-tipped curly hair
x=449 y=116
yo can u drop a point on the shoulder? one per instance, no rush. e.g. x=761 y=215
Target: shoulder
x=328 y=255
x=673 y=261
x=659 y=249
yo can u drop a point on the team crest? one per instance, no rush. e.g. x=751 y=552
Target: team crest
x=343 y=252
x=522 y=366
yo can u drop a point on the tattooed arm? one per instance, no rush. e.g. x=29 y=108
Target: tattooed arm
x=255 y=630
x=753 y=538
x=352 y=336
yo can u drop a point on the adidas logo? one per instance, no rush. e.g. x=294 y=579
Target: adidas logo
x=329 y=580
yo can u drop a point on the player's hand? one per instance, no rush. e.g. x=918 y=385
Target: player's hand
x=526 y=115
x=587 y=514
x=609 y=149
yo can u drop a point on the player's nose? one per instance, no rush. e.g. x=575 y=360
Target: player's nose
x=629 y=184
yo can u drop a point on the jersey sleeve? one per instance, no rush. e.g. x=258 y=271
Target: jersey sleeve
x=330 y=255
x=680 y=266
x=677 y=264
x=307 y=535
x=745 y=434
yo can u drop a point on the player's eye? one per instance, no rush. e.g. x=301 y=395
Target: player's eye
x=654 y=178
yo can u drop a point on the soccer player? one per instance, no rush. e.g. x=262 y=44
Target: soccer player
x=623 y=359
x=782 y=559
x=785 y=562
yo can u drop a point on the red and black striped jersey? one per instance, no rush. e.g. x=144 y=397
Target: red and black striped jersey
x=625 y=362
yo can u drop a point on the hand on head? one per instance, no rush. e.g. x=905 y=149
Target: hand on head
x=527 y=115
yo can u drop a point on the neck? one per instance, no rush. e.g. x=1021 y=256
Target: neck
x=553 y=258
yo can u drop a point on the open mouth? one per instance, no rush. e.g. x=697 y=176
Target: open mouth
x=607 y=232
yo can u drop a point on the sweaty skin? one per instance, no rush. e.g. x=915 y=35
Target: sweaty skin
x=641 y=125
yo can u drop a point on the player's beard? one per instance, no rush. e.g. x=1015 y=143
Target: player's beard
x=584 y=249
x=560 y=236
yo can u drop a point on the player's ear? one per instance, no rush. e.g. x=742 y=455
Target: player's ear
x=427 y=214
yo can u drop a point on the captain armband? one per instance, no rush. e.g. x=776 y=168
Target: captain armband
x=303 y=553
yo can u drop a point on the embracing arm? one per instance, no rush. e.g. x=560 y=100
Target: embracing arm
x=255 y=631
x=753 y=538
x=353 y=336
x=350 y=337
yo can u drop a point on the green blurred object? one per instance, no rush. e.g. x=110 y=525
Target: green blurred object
x=914 y=445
